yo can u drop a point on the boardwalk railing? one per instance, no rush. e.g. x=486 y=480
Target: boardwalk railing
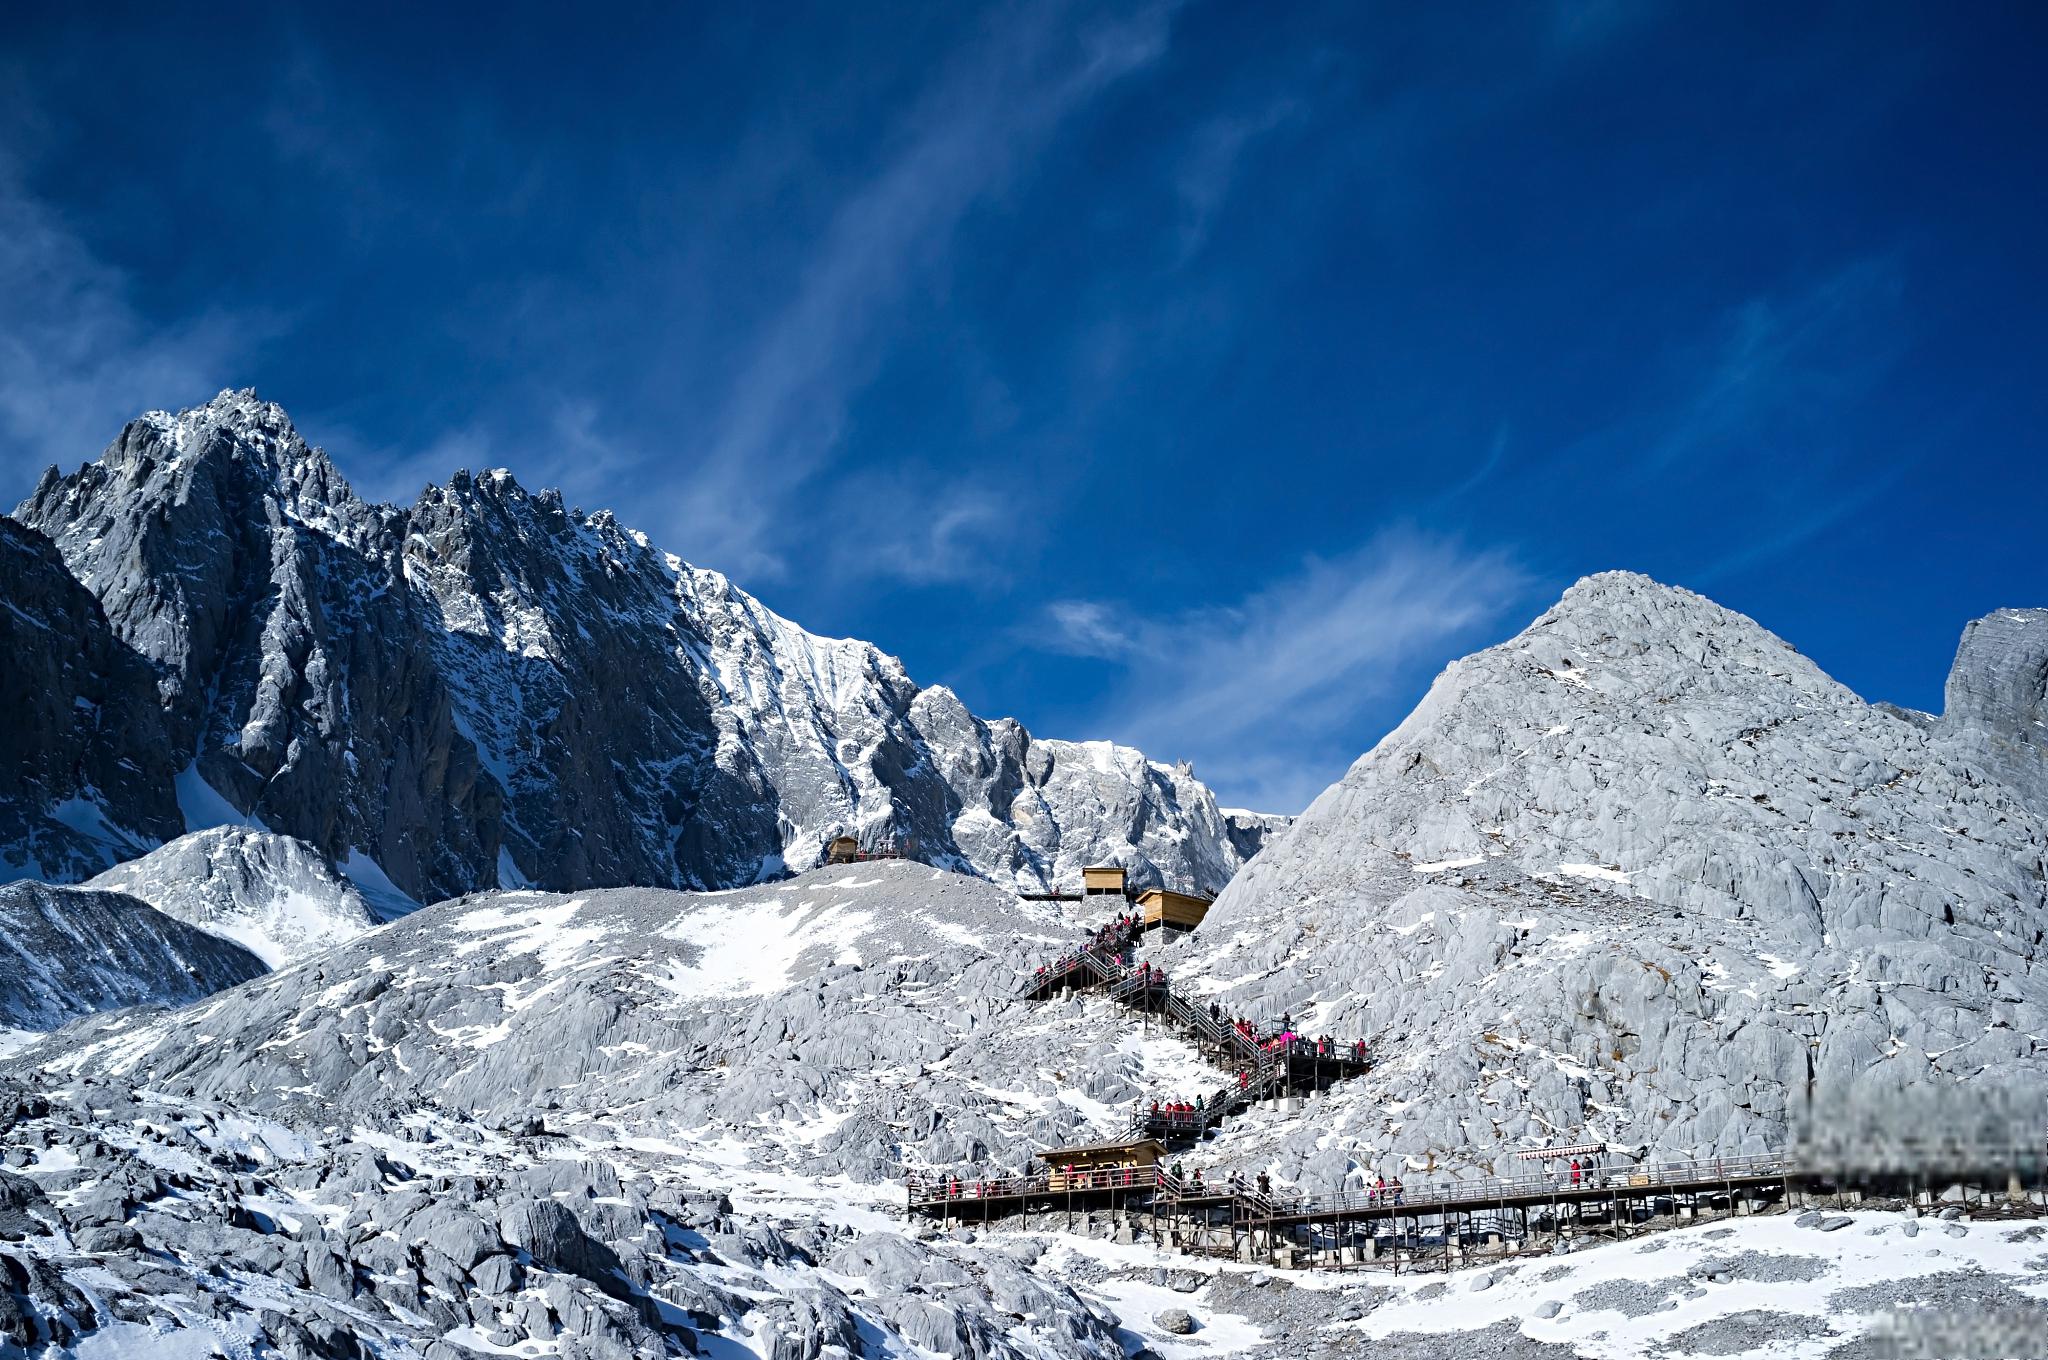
x=930 y=1189
x=1459 y=1194
x=926 y=1188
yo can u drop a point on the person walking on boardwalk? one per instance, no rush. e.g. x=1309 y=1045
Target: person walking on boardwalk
x=1577 y=1171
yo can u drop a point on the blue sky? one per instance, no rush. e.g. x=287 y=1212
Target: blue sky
x=1203 y=376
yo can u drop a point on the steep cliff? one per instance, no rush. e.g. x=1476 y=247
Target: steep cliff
x=85 y=762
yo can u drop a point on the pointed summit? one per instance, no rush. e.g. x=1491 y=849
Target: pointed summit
x=489 y=688
x=1619 y=848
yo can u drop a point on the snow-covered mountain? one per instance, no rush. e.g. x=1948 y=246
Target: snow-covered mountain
x=1645 y=874
x=492 y=689
x=851 y=1020
x=273 y=895
x=68 y=952
x=1642 y=873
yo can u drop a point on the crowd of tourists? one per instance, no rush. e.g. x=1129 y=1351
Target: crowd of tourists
x=1109 y=943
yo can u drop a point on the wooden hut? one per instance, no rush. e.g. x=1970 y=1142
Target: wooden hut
x=1165 y=909
x=843 y=850
x=1101 y=879
x=1105 y=1166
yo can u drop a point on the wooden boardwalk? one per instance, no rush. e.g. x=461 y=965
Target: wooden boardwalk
x=1436 y=1225
x=1264 y=1066
x=1421 y=1227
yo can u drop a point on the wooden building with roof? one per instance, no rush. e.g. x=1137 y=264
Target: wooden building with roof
x=1165 y=909
x=1104 y=1166
x=1099 y=880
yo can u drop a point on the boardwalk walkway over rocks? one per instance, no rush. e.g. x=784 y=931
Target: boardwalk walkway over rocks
x=1435 y=1226
x=1264 y=1067
x=1427 y=1226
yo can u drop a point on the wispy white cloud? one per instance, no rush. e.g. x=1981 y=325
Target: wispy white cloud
x=1785 y=362
x=780 y=427
x=1210 y=167
x=1757 y=413
x=1270 y=695
x=887 y=526
x=77 y=361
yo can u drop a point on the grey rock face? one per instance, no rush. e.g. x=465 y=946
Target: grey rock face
x=1645 y=875
x=1997 y=697
x=271 y=894
x=67 y=952
x=1999 y=682
x=1250 y=831
x=491 y=689
x=85 y=762
x=292 y=672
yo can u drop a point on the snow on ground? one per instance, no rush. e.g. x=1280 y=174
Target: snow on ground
x=753 y=948
x=203 y=806
x=1615 y=1301
x=1594 y=871
x=1136 y=1304
x=1172 y=1068
x=387 y=898
x=1665 y=1280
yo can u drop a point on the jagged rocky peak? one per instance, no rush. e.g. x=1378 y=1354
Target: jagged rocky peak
x=291 y=672
x=490 y=688
x=274 y=895
x=1577 y=891
x=1250 y=831
x=233 y=444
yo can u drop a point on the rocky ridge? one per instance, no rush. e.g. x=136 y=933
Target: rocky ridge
x=853 y=1020
x=273 y=895
x=1644 y=874
x=491 y=688
x=68 y=952
x=613 y=1123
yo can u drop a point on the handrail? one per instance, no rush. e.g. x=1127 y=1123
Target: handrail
x=1436 y=1195
x=1444 y=1193
x=951 y=1188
